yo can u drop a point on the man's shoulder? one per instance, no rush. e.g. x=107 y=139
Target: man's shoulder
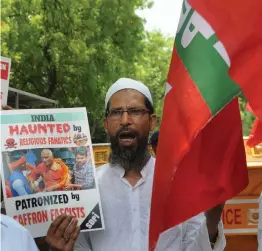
x=198 y=219
x=102 y=172
x=59 y=162
x=60 y=165
x=103 y=169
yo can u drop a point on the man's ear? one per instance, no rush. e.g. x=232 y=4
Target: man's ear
x=105 y=125
x=153 y=121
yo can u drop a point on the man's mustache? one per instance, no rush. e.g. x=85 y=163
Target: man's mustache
x=126 y=129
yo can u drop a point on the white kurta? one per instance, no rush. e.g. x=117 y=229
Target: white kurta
x=126 y=212
x=14 y=236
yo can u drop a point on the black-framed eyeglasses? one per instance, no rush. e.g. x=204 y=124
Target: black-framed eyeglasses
x=133 y=113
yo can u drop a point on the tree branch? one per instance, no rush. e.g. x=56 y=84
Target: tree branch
x=52 y=74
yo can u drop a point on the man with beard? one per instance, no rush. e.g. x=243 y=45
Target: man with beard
x=125 y=185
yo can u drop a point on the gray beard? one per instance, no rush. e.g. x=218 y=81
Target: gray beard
x=131 y=159
x=128 y=162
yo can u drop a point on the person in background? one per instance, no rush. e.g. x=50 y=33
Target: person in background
x=82 y=172
x=31 y=158
x=53 y=171
x=19 y=184
x=125 y=186
x=13 y=235
x=154 y=141
x=8 y=189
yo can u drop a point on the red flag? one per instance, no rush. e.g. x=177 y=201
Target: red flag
x=255 y=136
x=200 y=147
x=236 y=24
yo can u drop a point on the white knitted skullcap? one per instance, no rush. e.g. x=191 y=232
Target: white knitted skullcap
x=128 y=83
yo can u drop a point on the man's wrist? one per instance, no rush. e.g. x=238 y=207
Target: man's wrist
x=42 y=244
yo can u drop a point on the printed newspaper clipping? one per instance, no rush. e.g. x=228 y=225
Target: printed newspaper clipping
x=48 y=168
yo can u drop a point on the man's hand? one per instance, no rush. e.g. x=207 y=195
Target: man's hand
x=6 y=107
x=63 y=233
x=213 y=217
x=68 y=187
x=34 y=185
x=52 y=188
x=73 y=187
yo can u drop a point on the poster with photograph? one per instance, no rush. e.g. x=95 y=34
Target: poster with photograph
x=48 y=168
x=5 y=73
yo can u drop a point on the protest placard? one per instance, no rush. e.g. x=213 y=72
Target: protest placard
x=5 y=73
x=48 y=168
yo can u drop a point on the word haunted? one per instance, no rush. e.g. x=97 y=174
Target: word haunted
x=39 y=129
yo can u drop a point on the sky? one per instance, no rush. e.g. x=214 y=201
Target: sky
x=164 y=15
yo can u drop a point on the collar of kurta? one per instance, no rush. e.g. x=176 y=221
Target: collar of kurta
x=77 y=166
x=147 y=169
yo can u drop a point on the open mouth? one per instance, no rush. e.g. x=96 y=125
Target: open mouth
x=125 y=135
x=127 y=138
